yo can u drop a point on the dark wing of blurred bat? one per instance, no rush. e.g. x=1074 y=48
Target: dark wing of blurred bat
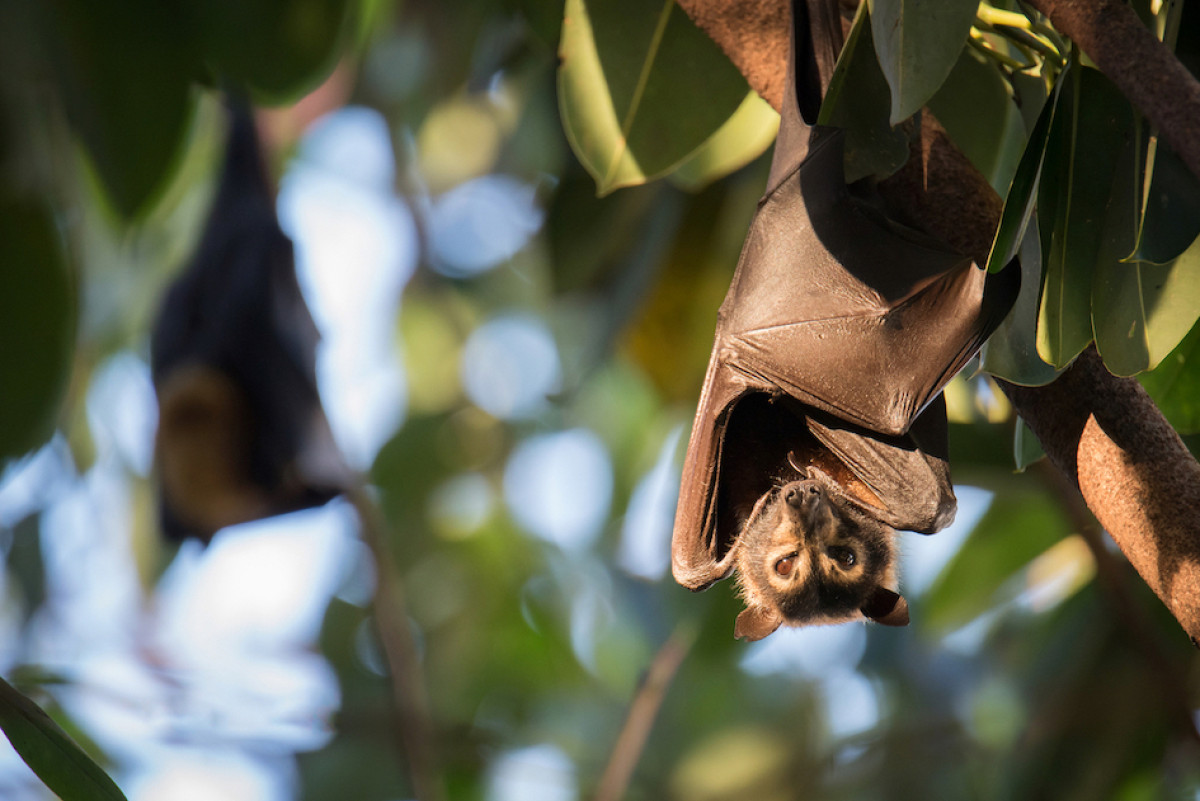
x=838 y=333
x=241 y=434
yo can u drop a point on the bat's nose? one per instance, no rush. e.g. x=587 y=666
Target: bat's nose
x=802 y=495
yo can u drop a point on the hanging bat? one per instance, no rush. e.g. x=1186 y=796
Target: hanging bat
x=241 y=431
x=820 y=429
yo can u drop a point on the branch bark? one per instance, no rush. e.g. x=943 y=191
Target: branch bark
x=1101 y=431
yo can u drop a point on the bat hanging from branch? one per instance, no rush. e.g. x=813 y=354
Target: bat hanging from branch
x=241 y=432
x=820 y=429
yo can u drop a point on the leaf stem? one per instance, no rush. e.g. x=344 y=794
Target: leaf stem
x=1029 y=40
x=976 y=41
x=996 y=16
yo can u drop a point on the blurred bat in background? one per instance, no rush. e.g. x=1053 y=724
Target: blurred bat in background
x=820 y=429
x=241 y=432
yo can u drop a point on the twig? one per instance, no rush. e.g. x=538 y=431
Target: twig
x=400 y=651
x=642 y=712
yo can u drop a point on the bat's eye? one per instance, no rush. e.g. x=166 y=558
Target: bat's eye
x=843 y=556
x=786 y=565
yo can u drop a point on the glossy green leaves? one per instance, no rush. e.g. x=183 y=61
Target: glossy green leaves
x=640 y=88
x=976 y=109
x=1141 y=311
x=743 y=137
x=51 y=753
x=1104 y=204
x=857 y=101
x=918 y=42
x=1011 y=353
x=37 y=326
x=123 y=70
x=278 y=50
x=1171 y=213
x=1090 y=136
x=126 y=71
x=1175 y=384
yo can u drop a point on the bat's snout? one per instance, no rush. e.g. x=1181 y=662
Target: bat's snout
x=802 y=495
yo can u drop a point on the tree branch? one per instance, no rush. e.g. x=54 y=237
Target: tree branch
x=1141 y=66
x=1103 y=432
x=413 y=721
x=1113 y=576
x=642 y=712
x=754 y=36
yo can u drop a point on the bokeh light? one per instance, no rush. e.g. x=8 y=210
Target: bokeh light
x=355 y=249
x=559 y=487
x=479 y=224
x=645 y=547
x=536 y=773
x=510 y=365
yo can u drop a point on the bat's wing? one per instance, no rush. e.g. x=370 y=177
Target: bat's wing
x=843 y=309
x=849 y=313
x=911 y=483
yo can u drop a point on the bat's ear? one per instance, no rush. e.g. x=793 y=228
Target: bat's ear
x=754 y=623
x=886 y=607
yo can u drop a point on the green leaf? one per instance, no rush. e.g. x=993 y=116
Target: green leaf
x=1023 y=191
x=744 y=137
x=1011 y=533
x=1011 y=351
x=37 y=326
x=124 y=71
x=977 y=111
x=1026 y=447
x=858 y=102
x=1175 y=384
x=1118 y=302
x=50 y=753
x=279 y=49
x=1086 y=142
x=1142 y=311
x=918 y=42
x=1171 y=213
x=640 y=88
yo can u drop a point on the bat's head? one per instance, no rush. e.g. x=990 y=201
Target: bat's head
x=810 y=555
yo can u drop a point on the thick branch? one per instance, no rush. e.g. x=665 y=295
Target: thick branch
x=1101 y=431
x=753 y=35
x=1145 y=71
x=1132 y=469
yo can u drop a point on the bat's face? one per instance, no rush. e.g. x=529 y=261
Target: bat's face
x=808 y=555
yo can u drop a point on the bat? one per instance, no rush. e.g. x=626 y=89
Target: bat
x=241 y=431
x=820 y=429
x=807 y=556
